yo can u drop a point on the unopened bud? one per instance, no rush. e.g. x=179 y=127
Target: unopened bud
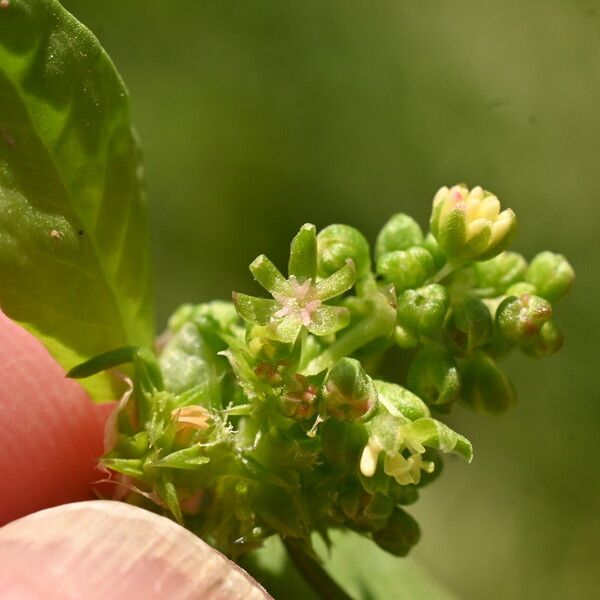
x=431 y=245
x=551 y=274
x=520 y=319
x=399 y=233
x=468 y=225
x=406 y=268
x=485 y=387
x=338 y=243
x=469 y=324
x=348 y=392
x=499 y=273
x=399 y=535
x=433 y=376
x=364 y=511
x=423 y=310
x=547 y=342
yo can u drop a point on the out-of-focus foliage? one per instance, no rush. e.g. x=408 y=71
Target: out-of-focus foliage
x=259 y=112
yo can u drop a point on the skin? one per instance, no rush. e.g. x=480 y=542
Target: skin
x=51 y=437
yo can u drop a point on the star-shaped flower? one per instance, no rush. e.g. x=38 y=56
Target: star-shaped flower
x=300 y=300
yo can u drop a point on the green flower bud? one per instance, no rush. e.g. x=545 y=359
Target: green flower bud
x=484 y=386
x=499 y=273
x=423 y=310
x=468 y=225
x=366 y=512
x=469 y=325
x=518 y=289
x=336 y=244
x=342 y=441
x=405 y=338
x=349 y=394
x=399 y=233
x=520 y=319
x=406 y=268
x=433 y=376
x=430 y=244
x=551 y=274
x=547 y=342
x=399 y=535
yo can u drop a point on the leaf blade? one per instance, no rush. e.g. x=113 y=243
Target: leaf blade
x=74 y=259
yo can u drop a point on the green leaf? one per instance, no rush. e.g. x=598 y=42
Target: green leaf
x=74 y=243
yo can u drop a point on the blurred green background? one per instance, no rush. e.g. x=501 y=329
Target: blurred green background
x=257 y=116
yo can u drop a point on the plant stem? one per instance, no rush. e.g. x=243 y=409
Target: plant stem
x=315 y=575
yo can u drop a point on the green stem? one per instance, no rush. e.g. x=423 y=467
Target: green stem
x=380 y=322
x=315 y=575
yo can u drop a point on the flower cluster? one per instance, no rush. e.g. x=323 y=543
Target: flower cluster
x=288 y=415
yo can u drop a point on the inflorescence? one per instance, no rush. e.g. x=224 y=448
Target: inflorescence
x=314 y=408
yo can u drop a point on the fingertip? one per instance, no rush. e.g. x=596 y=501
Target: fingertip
x=103 y=549
x=52 y=433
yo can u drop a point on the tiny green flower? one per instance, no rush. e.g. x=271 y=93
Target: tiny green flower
x=520 y=319
x=423 y=310
x=551 y=274
x=547 y=342
x=406 y=268
x=469 y=324
x=300 y=300
x=433 y=375
x=399 y=535
x=399 y=233
x=496 y=275
x=485 y=387
x=469 y=225
x=338 y=243
x=298 y=399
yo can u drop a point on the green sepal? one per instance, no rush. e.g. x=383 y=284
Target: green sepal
x=406 y=268
x=188 y=459
x=399 y=535
x=269 y=276
x=469 y=324
x=433 y=375
x=303 y=254
x=485 y=387
x=168 y=494
x=399 y=233
x=338 y=243
x=133 y=467
x=423 y=310
x=337 y=283
x=551 y=274
x=435 y=434
x=103 y=362
x=399 y=401
x=329 y=319
x=253 y=309
x=451 y=234
x=431 y=245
